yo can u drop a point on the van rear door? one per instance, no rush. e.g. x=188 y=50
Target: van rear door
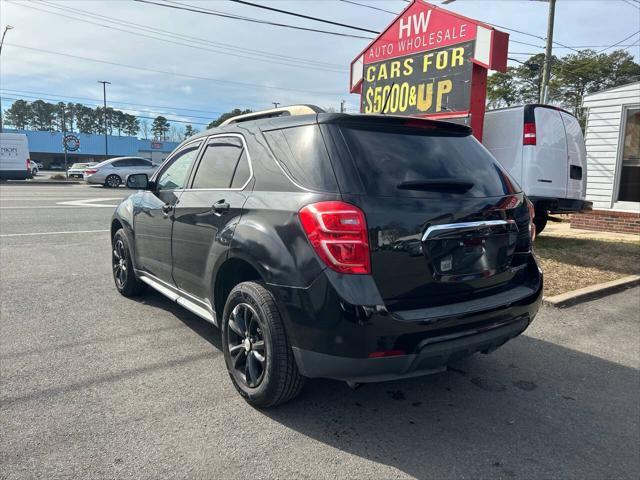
x=577 y=158
x=545 y=163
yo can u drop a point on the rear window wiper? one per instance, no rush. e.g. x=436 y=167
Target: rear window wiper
x=437 y=185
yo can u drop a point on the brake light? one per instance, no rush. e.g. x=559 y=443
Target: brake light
x=28 y=164
x=529 y=134
x=90 y=171
x=387 y=353
x=337 y=232
x=532 y=215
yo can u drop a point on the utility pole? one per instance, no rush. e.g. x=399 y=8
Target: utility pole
x=6 y=27
x=342 y=108
x=546 y=73
x=275 y=104
x=104 y=98
x=64 y=143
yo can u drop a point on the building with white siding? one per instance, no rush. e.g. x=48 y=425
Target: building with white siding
x=612 y=140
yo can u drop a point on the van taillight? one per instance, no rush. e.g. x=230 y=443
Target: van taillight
x=529 y=135
x=28 y=164
x=337 y=232
x=532 y=215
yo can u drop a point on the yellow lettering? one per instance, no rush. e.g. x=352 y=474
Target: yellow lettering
x=441 y=59
x=426 y=62
x=425 y=97
x=371 y=74
x=395 y=69
x=382 y=73
x=408 y=67
x=457 y=57
x=444 y=87
x=368 y=98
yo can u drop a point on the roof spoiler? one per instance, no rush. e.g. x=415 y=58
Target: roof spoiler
x=291 y=110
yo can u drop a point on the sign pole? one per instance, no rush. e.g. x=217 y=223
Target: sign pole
x=64 y=143
x=546 y=73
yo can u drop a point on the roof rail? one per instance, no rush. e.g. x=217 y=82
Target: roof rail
x=291 y=110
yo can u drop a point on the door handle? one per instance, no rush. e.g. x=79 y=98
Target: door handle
x=220 y=206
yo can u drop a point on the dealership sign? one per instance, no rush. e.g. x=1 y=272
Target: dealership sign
x=431 y=63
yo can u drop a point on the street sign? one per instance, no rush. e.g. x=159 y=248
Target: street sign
x=432 y=63
x=71 y=143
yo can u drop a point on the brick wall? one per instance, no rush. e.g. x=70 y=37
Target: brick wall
x=607 y=221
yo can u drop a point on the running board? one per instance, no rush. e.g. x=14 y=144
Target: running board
x=180 y=300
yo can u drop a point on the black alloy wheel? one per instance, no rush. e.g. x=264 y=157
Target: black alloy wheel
x=120 y=264
x=246 y=345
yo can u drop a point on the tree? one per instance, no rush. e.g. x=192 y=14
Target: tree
x=502 y=89
x=132 y=125
x=18 y=114
x=42 y=115
x=144 y=129
x=160 y=127
x=119 y=121
x=189 y=131
x=176 y=134
x=85 y=118
x=225 y=116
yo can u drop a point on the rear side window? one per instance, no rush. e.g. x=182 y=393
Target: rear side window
x=224 y=164
x=301 y=152
x=139 y=162
x=390 y=157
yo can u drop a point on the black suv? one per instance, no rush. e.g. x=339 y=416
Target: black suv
x=353 y=247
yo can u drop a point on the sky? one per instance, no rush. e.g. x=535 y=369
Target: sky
x=217 y=64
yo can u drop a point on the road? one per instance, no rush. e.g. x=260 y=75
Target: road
x=94 y=385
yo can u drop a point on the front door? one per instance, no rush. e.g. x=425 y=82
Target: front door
x=153 y=222
x=207 y=214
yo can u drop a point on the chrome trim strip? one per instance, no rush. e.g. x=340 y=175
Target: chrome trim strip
x=465 y=225
x=179 y=298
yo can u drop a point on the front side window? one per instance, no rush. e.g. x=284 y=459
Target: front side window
x=175 y=174
x=224 y=165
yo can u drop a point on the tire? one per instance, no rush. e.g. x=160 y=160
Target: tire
x=540 y=220
x=112 y=181
x=275 y=380
x=124 y=276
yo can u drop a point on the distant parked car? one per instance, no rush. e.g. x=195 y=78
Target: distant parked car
x=77 y=169
x=114 y=172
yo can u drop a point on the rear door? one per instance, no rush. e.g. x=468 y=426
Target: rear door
x=576 y=158
x=208 y=212
x=545 y=163
x=446 y=223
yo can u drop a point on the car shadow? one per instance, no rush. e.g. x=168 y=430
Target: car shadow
x=532 y=409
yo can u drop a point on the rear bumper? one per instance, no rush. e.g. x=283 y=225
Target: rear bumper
x=99 y=179
x=14 y=174
x=561 y=205
x=432 y=357
x=333 y=338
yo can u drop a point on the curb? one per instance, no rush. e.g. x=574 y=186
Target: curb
x=591 y=293
x=44 y=182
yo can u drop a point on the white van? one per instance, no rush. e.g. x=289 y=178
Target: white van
x=14 y=156
x=543 y=149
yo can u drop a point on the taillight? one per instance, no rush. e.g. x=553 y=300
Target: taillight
x=532 y=215
x=28 y=164
x=90 y=171
x=529 y=135
x=337 y=232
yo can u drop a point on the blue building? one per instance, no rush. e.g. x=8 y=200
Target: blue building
x=46 y=147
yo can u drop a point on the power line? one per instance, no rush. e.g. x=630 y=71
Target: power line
x=623 y=40
x=190 y=37
x=299 y=15
x=123 y=109
x=297 y=64
x=20 y=92
x=191 y=8
x=164 y=72
x=61 y=98
x=368 y=6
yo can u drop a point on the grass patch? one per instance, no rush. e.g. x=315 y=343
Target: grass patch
x=572 y=263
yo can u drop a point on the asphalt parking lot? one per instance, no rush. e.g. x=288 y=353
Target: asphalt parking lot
x=94 y=385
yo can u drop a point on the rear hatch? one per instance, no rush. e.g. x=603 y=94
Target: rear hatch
x=446 y=223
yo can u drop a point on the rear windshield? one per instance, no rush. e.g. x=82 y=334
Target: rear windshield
x=388 y=158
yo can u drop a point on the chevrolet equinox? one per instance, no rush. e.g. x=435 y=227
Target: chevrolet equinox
x=352 y=247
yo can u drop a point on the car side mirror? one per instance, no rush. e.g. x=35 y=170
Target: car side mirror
x=138 y=181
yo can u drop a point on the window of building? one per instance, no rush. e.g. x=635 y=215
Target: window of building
x=629 y=190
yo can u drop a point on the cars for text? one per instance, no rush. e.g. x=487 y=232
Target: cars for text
x=357 y=248
x=114 y=172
